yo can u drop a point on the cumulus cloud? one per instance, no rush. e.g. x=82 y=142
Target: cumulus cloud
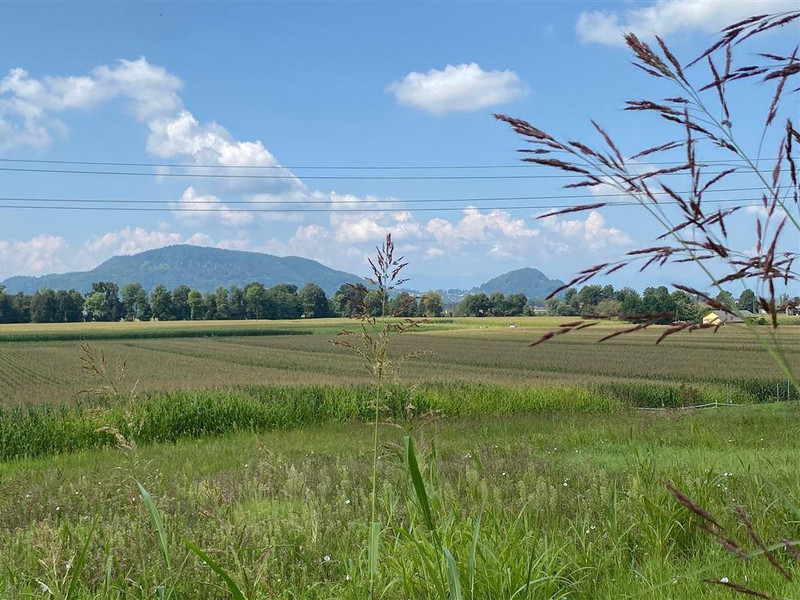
x=130 y=240
x=374 y=226
x=193 y=207
x=665 y=17
x=30 y=110
x=41 y=254
x=461 y=87
x=28 y=105
x=589 y=234
x=476 y=226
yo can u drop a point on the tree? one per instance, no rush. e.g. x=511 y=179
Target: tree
x=197 y=306
x=630 y=303
x=20 y=308
x=403 y=305
x=349 y=300
x=432 y=304
x=476 y=305
x=5 y=305
x=515 y=305
x=44 y=307
x=222 y=303
x=96 y=307
x=608 y=308
x=180 y=303
x=210 y=302
x=497 y=304
x=748 y=301
x=110 y=291
x=133 y=300
x=237 y=305
x=373 y=302
x=69 y=306
x=255 y=300
x=314 y=301
x=161 y=303
x=726 y=298
x=282 y=302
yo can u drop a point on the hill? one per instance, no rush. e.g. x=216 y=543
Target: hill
x=531 y=282
x=198 y=267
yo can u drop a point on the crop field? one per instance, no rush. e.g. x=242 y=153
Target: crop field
x=533 y=467
x=204 y=356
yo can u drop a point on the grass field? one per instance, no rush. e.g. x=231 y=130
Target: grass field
x=574 y=503
x=471 y=350
x=541 y=477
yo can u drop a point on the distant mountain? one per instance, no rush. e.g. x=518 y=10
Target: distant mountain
x=531 y=282
x=198 y=267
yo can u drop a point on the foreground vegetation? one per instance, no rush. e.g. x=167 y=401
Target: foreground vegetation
x=557 y=505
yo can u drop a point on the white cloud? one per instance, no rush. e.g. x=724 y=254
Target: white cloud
x=41 y=254
x=665 y=17
x=193 y=207
x=476 y=226
x=28 y=105
x=130 y=241
x=589 y=234
x=457 y=88
x=355 y=228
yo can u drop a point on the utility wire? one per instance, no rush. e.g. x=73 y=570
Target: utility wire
x=330 y=210
x=327 y=177
x=325 y=167
x=372 y=202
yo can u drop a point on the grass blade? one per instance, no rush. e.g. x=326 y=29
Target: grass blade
x=453 y=580
x=374 y=545
x=473 y=554
x=419 y=485
x=158 y=523
x=232 y=587
x=78 y=565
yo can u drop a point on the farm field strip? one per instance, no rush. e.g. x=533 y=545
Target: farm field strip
x=49 y=371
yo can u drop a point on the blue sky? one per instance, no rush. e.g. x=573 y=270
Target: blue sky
x=333 y=84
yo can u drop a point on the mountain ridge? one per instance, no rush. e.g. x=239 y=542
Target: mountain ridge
x=200 y=267
x=529 y=281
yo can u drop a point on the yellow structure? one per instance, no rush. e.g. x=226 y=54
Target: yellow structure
x=722 y=317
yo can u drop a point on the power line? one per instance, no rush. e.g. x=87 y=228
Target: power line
x=326 y=177
x=330 y=210
x=323 y=167
x=349 y=202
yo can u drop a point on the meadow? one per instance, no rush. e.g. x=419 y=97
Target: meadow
x=560 y=504
x=538 y=470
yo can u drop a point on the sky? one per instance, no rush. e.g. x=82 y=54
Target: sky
x=310 y=90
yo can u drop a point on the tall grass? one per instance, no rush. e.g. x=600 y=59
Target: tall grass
x=167 y=417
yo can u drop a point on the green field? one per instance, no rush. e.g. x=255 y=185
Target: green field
x=471 y=350
x=543 y=477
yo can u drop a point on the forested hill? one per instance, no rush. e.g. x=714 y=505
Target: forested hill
x=531 y=282
x=198 y=267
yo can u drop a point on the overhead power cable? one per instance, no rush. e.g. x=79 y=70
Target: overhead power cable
x=331 y=210
x=326 y=177
x=349 y=202
x=519 y=165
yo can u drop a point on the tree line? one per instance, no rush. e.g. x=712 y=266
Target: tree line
x=606 y=301
x=107 y=302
